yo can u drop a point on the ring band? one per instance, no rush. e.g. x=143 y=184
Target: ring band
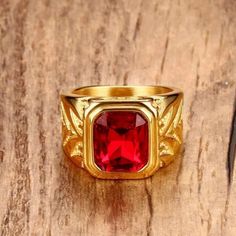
x=122 y=132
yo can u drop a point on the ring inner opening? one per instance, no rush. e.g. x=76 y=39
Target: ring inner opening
x=120 y=91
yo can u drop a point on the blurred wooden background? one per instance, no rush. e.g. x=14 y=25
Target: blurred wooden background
x=47 y=46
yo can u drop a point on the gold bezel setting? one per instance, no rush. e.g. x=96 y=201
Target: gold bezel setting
x=153 y=160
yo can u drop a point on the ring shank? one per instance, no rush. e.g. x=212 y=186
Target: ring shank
x=122 y=91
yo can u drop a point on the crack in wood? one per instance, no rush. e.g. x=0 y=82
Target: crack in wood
x=137 y=26
x=232 y=148
x=125 y=79
x=164 y=55
x=199 y=167
x=230 y=167
x=197 y=75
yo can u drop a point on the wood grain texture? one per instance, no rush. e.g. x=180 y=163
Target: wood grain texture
x=48 y=46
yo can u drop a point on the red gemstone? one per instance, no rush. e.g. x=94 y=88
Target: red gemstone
x=120 y=140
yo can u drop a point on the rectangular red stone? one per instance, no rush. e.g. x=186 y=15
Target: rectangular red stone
x=120 y=140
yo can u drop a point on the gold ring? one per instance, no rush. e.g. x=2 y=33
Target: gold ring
x=122 y=132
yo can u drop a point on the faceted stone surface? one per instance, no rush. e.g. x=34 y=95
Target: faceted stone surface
x=120 y=140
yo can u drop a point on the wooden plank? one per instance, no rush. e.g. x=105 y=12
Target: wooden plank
x=49 y=46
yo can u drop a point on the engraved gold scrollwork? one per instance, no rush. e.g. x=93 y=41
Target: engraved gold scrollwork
x=170 y=127
x=72 y=116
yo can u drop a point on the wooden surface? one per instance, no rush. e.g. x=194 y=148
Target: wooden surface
x=48 y=46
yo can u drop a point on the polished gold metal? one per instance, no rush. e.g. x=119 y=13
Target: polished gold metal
x=162 y=106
